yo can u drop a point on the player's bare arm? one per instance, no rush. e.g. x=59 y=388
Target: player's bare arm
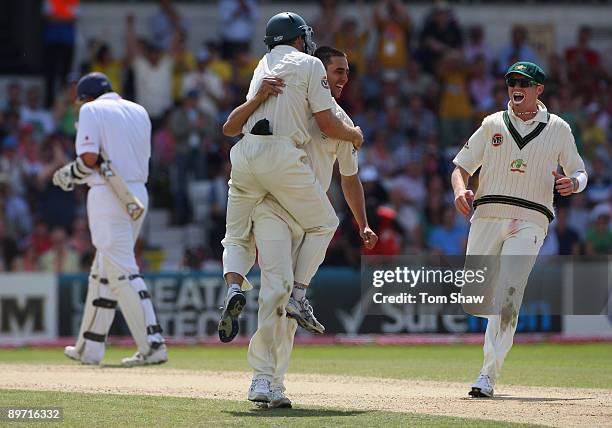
x=335 y=128
x=463 y=196
x=270 y=86
x=353 y=194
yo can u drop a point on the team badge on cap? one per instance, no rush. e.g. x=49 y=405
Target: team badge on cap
x=497 y=140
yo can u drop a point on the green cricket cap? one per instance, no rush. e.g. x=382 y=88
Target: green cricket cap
x=528 y=69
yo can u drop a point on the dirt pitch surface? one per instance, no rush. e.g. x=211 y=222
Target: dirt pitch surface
x=562 y=407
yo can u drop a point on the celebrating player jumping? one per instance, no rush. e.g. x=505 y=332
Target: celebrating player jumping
x=278 y=238
x=269 y=159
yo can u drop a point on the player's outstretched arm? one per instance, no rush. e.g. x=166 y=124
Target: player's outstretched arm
x=239 y=116
x=463 y=197
x=353 y=194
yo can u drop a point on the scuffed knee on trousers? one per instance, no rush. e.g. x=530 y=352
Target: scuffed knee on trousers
x=277 y=296
x=281 y=294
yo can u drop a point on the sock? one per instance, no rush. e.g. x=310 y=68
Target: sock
x=299 y=291
x=233 y=287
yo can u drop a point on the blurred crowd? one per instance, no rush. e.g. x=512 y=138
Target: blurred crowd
x=417 y=90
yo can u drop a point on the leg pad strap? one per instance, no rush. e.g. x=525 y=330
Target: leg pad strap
x=152 y=329
x=101 y=302
x=121 y=278
x=94 y=336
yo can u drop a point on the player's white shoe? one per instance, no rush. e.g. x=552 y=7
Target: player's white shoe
x=278 y=399
x=483 y=387
x=73 y=354
x=228 y=324
x=158 y=355
x=302 y=312
x=259 y=391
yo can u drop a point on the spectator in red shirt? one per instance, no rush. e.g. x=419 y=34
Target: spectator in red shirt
x=40 y=239
x=384 y=220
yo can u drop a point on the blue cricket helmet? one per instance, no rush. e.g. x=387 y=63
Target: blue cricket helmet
x=286 y=26
x=93 y=85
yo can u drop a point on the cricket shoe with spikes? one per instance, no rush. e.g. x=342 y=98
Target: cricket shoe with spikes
x=483 y=387
x=301 y=311
x=157 y=355
x=259 y=392
x=229 y=326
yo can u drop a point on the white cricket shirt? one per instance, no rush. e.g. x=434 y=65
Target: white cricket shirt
x=306 y=92
x=122 y=129
x=323 y=151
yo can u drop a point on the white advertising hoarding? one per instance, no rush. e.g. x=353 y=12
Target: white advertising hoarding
x=28 y=307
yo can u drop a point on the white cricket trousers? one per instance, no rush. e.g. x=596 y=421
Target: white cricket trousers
x=113 y=232
x=264 y=165
x=278 y=238
x=517 y=244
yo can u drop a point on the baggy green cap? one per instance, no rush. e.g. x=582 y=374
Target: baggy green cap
x=528 y=69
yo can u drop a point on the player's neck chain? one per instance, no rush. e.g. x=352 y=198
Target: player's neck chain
x=524 y=113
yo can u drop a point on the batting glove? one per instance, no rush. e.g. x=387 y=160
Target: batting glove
x=70 y=174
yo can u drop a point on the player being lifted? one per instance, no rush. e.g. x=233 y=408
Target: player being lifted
x=278 y=238
x=518 y=152
x=269 y=159
x=120 y=130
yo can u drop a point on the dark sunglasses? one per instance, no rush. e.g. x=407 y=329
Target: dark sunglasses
x=511 y=82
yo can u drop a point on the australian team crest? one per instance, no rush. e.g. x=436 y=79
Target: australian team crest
x=497 y=140
x=324 y=83
x=518 y=165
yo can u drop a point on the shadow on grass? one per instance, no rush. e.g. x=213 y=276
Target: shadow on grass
x=525 y=399
x=296 y=413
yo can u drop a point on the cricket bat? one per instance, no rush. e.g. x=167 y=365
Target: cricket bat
x=132 y=204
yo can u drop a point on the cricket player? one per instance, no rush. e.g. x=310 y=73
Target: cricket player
x=278 y=237
x=120 y=130
x=270 y=159
x=518 y=151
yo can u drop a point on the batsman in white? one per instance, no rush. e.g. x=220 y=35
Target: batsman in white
x=269 y=159
x=278 y=237
x=518 y=152
x=120 y=131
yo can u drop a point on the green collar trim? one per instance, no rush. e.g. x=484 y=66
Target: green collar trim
x=522 y=141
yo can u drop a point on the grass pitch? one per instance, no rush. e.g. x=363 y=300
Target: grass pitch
x=581 y=366
x=109 y=410
x=578 y=366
